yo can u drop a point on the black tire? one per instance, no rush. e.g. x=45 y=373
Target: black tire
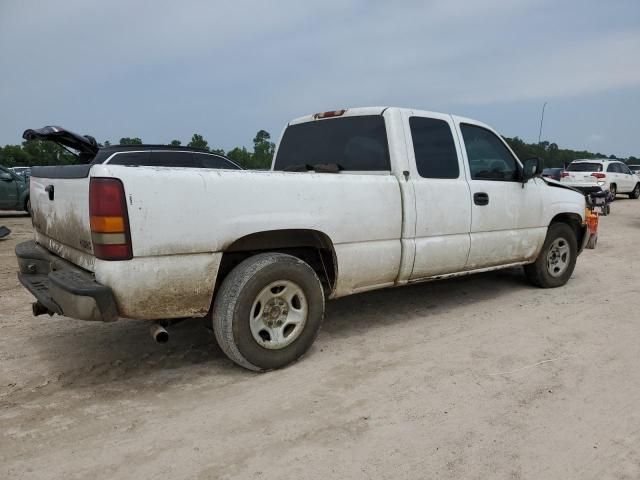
x=614 y=191
x=540 y=273
x=27 y=206
x=235 y=304
x=635 y=194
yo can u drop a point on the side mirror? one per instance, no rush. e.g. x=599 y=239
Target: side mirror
x=531 y=167
x=6 y=177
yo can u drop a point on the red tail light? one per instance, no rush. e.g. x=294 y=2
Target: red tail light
x=564 y=174
x=598 y=175
x=109 y=219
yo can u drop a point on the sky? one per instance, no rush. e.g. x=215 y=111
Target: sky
x=163 y=70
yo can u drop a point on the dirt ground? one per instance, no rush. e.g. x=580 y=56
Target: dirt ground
x=482 y=377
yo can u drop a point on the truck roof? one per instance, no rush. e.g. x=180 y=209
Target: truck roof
x=360 y=111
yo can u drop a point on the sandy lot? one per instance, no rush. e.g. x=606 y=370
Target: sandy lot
x=482 y=377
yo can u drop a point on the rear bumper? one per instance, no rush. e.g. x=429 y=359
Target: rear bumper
x=62 y=287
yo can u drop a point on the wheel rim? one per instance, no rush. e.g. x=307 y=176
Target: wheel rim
x=613 y=189
x=278 y=314
x=636 y=191
x=558 y=257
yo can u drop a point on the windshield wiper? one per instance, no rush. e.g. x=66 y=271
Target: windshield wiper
x=328 y=167
x=318 y=168
x=302 y=167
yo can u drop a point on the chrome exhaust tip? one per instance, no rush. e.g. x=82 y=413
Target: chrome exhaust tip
x=159 y=334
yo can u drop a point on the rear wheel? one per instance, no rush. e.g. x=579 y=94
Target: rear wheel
x=27 y=206
x=557 y=259
x=268 y=311
x=614 y=190
x=636 y=192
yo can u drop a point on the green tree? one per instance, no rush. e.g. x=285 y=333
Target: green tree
x=175 y=143
x=263 y=150
x=241 y=156
x=107 y=143
x=198 y=141
x=130 y=141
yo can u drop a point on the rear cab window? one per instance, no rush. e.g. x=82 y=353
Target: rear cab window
x=357 y=143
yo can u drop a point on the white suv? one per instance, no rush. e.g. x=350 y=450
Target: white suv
x=611 y=175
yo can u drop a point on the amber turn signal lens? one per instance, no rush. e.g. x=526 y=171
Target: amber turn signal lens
x=107 y=224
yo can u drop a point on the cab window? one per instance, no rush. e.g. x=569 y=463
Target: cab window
x=356 y=143
x=488 y=156
x=434 y=149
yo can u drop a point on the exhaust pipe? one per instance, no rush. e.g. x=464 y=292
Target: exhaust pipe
x=39 y=309
x=159 y=333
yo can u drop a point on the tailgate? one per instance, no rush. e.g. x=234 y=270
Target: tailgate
x=60 y=211
x=579 y=177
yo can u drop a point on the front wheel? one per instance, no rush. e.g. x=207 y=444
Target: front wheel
x=636 y=192
x=268 y=311
x=557 y=259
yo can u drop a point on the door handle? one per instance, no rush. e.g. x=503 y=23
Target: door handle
x=481 y=198
x=50 y=190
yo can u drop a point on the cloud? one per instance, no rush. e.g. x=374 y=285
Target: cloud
x=161 y=69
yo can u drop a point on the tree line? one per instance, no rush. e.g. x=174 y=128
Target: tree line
x=36 y=152
x=554 y=156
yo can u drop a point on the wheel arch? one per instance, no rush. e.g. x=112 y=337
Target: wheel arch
x=312 y=246
x=574 y=221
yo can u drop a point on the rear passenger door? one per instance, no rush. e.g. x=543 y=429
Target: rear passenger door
x=506 y=217
x=442 y=199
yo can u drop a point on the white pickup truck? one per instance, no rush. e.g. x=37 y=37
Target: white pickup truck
x=356 y=200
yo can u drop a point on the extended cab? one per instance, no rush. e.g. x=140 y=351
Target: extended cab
x=356 y=200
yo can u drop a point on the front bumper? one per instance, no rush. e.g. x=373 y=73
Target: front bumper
x=62 y=287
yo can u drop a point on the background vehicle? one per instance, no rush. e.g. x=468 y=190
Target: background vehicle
x=404 y=196
x=23 y=171
x=611 y=175
x=14 y=191
x=132 y=155
x=634 y=168
x=553 y=173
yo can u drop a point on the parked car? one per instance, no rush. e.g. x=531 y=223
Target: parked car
x=132 y=155
x=356 y=200
x=14 y=191
x=23 y=171
x=634 y=168
x=611 y=175
x=553 y=173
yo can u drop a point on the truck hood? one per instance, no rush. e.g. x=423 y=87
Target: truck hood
x=555 y=183
x=81 y=143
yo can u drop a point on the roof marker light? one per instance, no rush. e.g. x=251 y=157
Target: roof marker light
x=329 y=114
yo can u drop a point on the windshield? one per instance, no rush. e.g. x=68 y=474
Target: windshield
x=585 y=167
x=353 y=143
